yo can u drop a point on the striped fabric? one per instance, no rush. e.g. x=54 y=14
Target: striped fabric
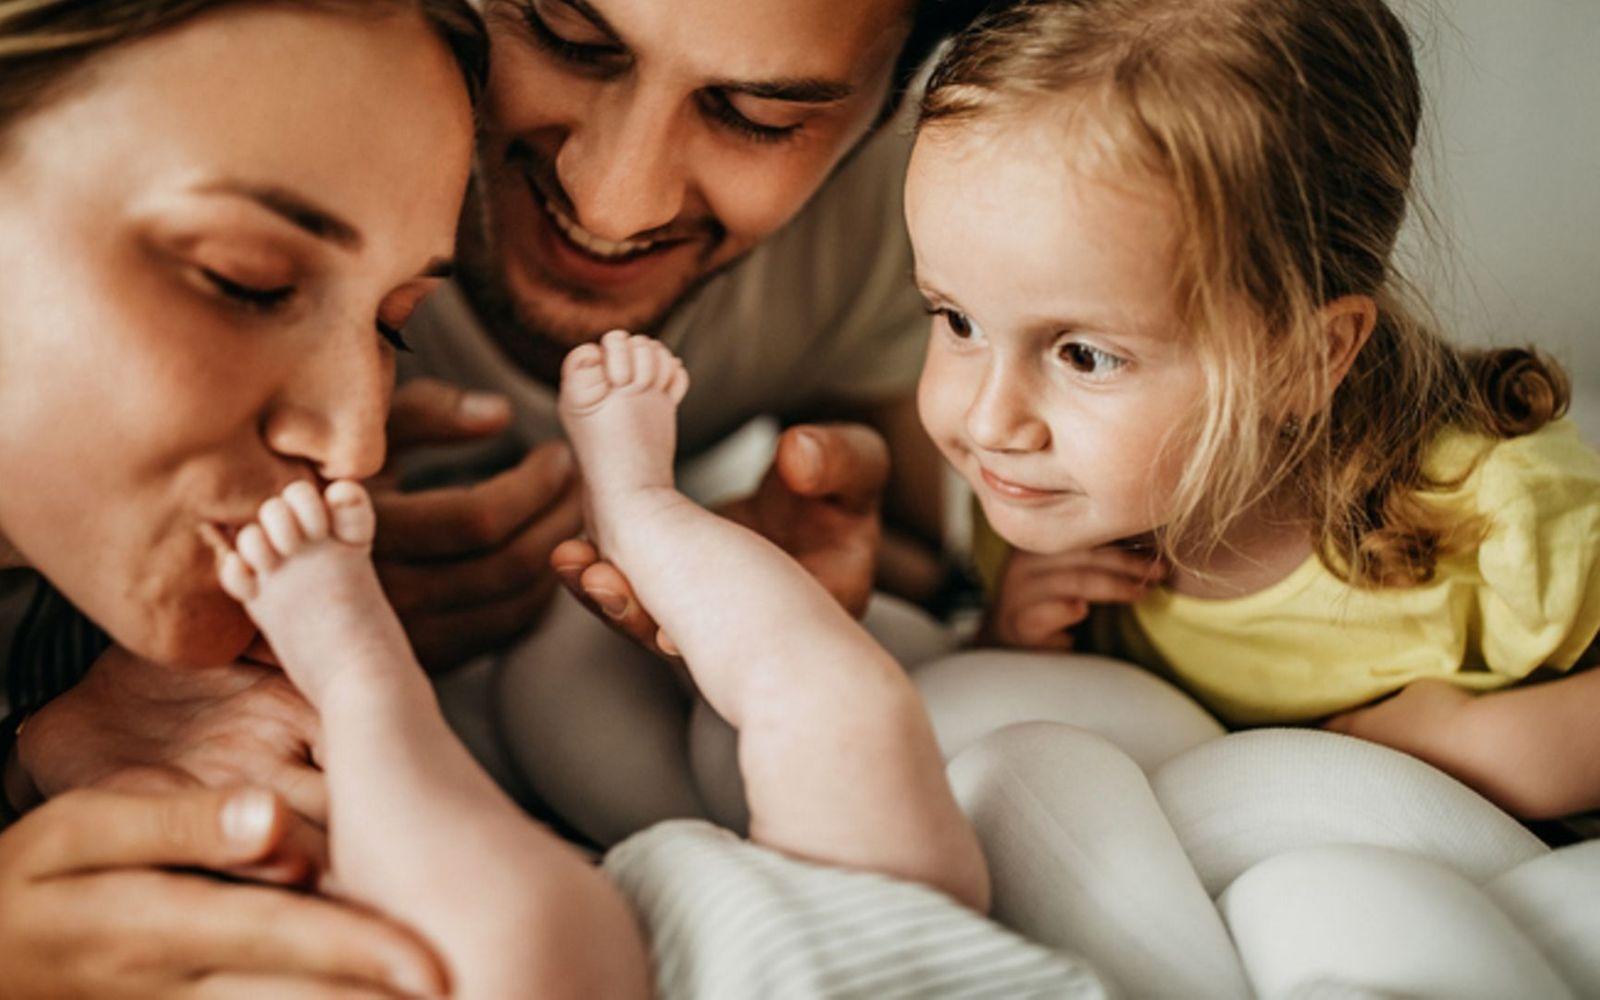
x=53 y=648
x=728 y=919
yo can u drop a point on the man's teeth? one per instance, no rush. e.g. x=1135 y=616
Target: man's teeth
x=596 y=245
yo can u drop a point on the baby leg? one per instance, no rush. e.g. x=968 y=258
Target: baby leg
x=838 y=758
x=417 y=830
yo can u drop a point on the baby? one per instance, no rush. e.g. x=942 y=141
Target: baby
x=837 y=754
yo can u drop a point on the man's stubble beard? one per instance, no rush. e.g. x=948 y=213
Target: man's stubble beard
x=537 y=343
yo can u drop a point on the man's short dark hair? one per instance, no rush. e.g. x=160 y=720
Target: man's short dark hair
x=932 y=21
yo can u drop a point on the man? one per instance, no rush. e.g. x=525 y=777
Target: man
x=719 y=175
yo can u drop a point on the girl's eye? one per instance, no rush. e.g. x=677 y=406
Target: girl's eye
x=259 y=299
x=1087 y=360
x=958 y=324
x=586 y=54
x=716 y=106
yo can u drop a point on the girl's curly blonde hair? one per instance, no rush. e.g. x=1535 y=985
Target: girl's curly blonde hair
x=1285 y=130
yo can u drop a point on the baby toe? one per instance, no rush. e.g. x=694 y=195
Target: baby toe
x=281 y=526
x=256 y=549
x=646 y=362
x=312 y=514
x=238 y=581
x=619 y=357
x=353 y=520
x=678 y=384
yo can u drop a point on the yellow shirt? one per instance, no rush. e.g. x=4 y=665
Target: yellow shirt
x=1528 y=596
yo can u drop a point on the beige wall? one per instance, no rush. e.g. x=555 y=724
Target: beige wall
x=1513 y=169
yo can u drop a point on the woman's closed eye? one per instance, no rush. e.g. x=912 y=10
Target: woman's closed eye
x=273 y=298
x=1088 y=360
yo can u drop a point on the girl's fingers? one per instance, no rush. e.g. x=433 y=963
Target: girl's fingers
x=1106 y=559
x=1044 y=625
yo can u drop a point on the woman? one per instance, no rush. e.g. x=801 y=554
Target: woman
x=204 y=273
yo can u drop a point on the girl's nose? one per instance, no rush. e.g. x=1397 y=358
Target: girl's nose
x=1003 y=418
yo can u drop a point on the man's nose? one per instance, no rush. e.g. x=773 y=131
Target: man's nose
x=331 y=409
x=1003 y=416
x=623 y=165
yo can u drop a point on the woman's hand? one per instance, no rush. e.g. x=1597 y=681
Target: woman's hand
x=1041 y=598
x=90 y=907
x=818 y=502
x=137 y=726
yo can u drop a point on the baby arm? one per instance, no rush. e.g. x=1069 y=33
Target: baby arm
x=1533 y=750
x=837 y=753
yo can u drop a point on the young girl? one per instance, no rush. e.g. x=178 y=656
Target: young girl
x=1157 y=240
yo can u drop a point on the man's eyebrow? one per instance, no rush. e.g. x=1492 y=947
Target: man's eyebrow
x=800 y=90
x=296 y=209
x=595 y=18
x=439 y=267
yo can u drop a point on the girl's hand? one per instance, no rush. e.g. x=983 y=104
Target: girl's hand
x=99 y=897
x=1041 y=598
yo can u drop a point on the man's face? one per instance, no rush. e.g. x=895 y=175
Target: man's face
x=631 y=148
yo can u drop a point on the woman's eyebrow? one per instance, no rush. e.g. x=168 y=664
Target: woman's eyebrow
x=294 y=208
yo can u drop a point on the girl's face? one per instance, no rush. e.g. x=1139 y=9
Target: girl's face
x=208 y=240
x=1059 y=380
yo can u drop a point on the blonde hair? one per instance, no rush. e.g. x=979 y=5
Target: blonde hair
x=1285 y=130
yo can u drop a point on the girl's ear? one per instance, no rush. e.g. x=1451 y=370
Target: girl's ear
x=1347 y=322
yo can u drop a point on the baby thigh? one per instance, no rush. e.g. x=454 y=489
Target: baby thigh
x=911 y=636
x=1082 y=860
x=597 y=726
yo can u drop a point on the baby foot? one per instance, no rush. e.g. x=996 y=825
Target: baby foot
x=619 y=403
x=304 y=573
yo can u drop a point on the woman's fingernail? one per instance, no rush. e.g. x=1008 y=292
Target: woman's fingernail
x=482 y=406
x=247 y=817
x=612 y=604
x=413 y=982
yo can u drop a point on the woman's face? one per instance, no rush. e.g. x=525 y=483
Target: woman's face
x=205 y=245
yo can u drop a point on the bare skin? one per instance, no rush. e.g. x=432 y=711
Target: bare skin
x=417 y=830
x=813 y=697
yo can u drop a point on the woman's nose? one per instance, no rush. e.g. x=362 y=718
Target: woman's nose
x=331 y=410
x=622 y=165
x=1003 y=416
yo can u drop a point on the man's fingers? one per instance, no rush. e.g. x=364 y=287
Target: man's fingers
x=609 y=591
x=458 y=521
x=523 y=562
x=571 y=558
x=427 y=411
x=91 y=829
x=845 y=463
x=451 y=638
x=304 y=789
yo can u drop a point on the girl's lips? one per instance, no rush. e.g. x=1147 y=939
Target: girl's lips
x=1016 y=491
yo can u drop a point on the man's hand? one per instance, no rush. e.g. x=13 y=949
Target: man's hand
x=136 y=726
x=818 y=502
x=468 y=567
x=1041 y=598
x=90 y=906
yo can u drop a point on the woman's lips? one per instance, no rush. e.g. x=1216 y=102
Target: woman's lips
x=1017 y=491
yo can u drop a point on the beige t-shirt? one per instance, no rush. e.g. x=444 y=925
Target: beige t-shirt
x=825 y=309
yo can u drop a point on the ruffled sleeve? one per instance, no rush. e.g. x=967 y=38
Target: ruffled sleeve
x=1538 y=604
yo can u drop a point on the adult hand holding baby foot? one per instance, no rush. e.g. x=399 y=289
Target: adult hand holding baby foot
x=1041 y=598
x=819 y=502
